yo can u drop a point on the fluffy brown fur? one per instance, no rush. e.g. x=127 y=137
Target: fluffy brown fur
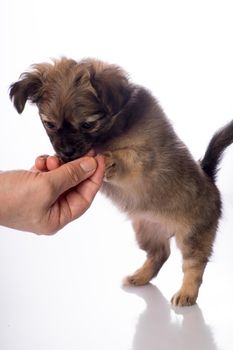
x=150 y=174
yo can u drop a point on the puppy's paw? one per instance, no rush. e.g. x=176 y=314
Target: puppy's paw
x=182 y=298
x=110 y=166
x=135 y=280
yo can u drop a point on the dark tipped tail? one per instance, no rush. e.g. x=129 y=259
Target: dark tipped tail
x=219 y=142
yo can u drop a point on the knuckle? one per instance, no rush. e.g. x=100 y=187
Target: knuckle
x=74 y=174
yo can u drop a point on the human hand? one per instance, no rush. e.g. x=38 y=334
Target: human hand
x=44 y=202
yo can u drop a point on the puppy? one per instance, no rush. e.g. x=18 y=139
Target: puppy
x=150 y=174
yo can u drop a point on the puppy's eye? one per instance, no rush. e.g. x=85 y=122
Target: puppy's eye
x=49 y=125
x=87 y=126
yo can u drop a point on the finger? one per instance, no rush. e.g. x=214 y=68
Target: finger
x=98 y=176
x=40 y=163
x=71 y=174
x=87 y=189
x=46 y=163
x=52 y=162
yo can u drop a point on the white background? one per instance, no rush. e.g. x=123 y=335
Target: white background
x=64 y=292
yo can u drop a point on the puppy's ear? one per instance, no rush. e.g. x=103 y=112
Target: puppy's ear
x=112 y=88
x=29 y=87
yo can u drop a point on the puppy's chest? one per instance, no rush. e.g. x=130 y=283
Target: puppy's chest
x=127 y=201
x=137 y=208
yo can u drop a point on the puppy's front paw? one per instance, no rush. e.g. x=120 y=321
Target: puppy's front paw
x=110 y=166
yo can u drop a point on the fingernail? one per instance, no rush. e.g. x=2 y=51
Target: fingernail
x=88 y=164
x=44 y=155
x=41 y=157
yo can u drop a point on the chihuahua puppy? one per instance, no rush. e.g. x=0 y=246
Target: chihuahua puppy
x=150 y=174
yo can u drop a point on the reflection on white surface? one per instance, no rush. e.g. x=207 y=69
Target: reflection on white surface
x=162 y=327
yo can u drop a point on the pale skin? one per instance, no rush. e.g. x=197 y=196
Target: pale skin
x=50 y=195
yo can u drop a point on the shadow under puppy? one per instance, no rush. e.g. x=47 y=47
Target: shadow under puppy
x=150 y=174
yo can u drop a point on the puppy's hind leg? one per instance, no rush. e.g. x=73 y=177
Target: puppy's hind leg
x=196 y=249
x=157 y=247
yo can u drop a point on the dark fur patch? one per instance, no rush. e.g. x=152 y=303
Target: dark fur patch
x=220 y=141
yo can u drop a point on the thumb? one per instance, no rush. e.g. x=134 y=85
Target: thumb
x=71 y=174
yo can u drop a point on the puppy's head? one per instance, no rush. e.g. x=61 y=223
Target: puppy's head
x=78 y=102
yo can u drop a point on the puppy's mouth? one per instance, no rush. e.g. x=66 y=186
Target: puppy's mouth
x=66 y=159
x=75 y=155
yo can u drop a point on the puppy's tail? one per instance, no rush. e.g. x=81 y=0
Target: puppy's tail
x=213 y=155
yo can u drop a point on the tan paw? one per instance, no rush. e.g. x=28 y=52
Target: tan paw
x=183 y=298
x=110 y=166
x=136 y=279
